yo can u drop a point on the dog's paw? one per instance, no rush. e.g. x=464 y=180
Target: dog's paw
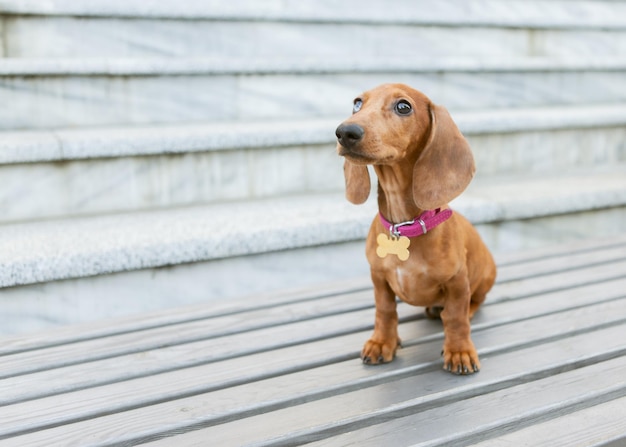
x=375 y=352
x=461 y=362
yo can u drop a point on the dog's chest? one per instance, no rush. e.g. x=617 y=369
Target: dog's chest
x=414 y=284
x=417 y=280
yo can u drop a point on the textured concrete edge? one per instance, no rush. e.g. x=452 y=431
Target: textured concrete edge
x=76 y=144
x=533 y=14
x=310 y=66
x=149 y=240
x=198 y=239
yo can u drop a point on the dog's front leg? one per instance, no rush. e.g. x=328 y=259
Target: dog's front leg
x=459 y=353
x=382 y=345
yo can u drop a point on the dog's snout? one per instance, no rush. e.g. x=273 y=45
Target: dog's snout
x=349 y=135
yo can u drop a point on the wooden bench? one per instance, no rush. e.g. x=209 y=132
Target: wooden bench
x=283 y=369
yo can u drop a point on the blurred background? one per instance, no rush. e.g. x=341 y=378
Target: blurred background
x=155 y=154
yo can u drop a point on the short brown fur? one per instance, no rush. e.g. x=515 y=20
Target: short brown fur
x=422 y=162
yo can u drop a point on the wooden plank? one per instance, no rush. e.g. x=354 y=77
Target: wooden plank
x=210 y=354
x=559 y=250
x=343 y=412
x=188 y=353
x=233 y=379
x=501 y=311
x=273 y=363
x=138 y=365
x=478 y=418
x=186 y=314
x=135 y=342
x=265 y=395
x=194 y=411
x=557 y=281
x=229 y=327
x=560 y=264
x=603 y=424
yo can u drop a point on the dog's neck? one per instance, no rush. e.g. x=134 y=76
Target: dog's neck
x=395 y=192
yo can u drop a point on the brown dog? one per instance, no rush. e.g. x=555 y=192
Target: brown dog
x=417 y=248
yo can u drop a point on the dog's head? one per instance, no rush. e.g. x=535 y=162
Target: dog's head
x=394 y=123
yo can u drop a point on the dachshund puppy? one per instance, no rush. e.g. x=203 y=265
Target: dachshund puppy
x=417 y=248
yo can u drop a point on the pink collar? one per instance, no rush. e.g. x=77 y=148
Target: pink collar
x=418 y=226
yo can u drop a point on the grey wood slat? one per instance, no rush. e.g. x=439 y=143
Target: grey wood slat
x=478 y=418
x=60 y=380
x=177 y=383
x=557 y=281
x=186 y=314
x=603 y=424
x=305 y=385
x=90 y=350
x=391 y=400
x=559 y=250
x=190 y=353
x=230 y=327
x=173 y=417
x=553 y=265
x=117 y=369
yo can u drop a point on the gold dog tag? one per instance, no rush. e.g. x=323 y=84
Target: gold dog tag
x=397 y=246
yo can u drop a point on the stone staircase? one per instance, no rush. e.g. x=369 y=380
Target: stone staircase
x=139 y=134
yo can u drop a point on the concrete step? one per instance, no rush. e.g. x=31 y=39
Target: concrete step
x=76 y=93
x=104 y=170
x=305 y=36
x=607 y=14
x=61 y=249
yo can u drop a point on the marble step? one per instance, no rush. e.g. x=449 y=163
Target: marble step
x=607 y=14
x=72 y=248
x=75 y=93
x=102 y=170
x=34 y=36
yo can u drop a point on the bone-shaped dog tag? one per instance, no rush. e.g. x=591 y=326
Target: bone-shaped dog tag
x=397 y=246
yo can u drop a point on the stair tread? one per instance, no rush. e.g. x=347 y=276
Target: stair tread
x=155 y=66
x=76 y=247
x=512 y=13
x=121 y=141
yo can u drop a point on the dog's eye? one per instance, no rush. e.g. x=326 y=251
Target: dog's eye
x=403 y=107
x=357 y=105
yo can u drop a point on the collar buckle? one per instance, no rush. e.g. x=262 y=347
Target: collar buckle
x=394 y=229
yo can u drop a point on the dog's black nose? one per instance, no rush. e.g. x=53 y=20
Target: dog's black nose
x=349 y=135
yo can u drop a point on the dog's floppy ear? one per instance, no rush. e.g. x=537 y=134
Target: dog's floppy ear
x=357 y=182
x=445 y=166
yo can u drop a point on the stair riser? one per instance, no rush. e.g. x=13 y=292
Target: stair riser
x=60 y=101
x=65 y=37
x=137 y=183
